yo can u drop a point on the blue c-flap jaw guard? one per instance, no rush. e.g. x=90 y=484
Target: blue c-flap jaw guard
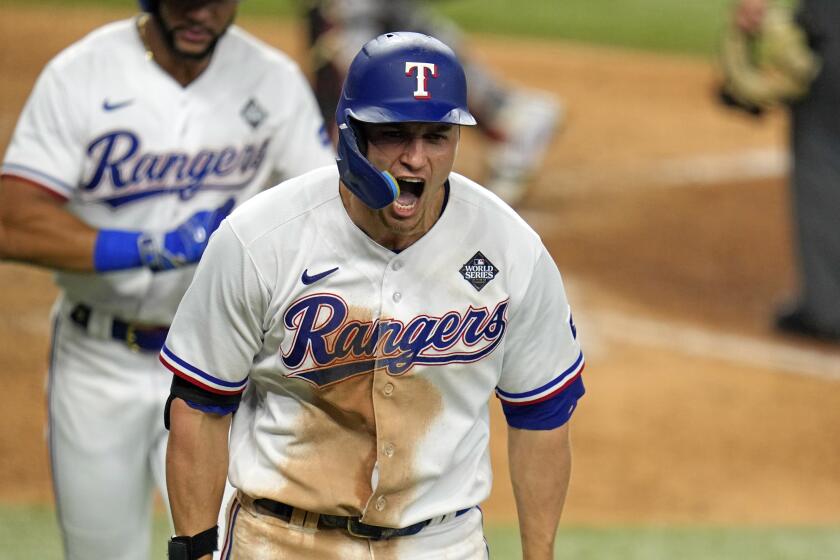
x=377 y=189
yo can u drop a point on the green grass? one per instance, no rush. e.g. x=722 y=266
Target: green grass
x=662 y=25
x=688 y=26
x=30 y=533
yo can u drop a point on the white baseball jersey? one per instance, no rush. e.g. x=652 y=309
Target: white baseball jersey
x=130 y=148
x=366 y=372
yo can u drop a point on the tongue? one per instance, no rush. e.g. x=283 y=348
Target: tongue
x=405 y=204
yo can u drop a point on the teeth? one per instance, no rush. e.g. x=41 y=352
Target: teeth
x=405 y=206
x=411 y=189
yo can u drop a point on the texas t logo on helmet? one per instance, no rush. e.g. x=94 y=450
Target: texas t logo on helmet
x=422 y=67
x=376 y=91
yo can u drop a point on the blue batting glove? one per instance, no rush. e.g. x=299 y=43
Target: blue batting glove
x=183 y=245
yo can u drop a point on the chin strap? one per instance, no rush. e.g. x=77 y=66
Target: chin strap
x=377 y=189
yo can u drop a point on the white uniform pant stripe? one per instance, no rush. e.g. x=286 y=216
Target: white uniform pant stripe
x=56 y=324
x=233 y=511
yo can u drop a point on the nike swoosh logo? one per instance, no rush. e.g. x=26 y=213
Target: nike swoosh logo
x=107 y=106
x=307 y=279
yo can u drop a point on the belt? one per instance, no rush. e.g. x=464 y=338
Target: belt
x=351 y=524
x=138 y=337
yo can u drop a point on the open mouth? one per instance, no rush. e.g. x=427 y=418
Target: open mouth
x=411 y=189
x=412 y=186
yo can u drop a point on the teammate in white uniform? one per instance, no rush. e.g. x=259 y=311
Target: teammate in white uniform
x=360 y=326
x=134 y=144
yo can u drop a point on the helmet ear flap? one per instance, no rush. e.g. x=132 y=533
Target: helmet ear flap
x=361 y=137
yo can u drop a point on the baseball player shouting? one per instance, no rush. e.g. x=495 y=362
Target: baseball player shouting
x=134 y=144
x=358 y=319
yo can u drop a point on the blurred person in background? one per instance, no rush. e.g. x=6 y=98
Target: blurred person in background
x=815 y=176
x=518 y=124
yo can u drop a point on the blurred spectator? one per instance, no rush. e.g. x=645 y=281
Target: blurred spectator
x=815 y=178
x=518 y=124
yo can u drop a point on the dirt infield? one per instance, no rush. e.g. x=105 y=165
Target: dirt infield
x=669 y=222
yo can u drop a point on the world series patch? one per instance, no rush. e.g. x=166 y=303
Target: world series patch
x=253 y=113
x=478 y=271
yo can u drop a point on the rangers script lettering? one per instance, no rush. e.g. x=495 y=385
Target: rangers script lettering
x=119 y=162
x=360 y=347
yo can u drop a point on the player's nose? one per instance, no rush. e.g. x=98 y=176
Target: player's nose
x=200 y=10
x=414 y=152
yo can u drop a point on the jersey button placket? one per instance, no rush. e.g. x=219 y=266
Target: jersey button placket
x=388 y=460
x=182 y=119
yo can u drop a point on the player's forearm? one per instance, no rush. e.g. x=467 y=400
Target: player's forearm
x=34 y=228
x=196 y=467
x=540 y=466
x=72 y=251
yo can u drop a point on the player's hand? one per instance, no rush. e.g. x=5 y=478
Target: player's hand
x=186 y=243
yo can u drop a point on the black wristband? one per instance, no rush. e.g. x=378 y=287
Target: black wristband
x=192 y=548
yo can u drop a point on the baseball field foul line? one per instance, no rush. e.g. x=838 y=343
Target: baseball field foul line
x=714 y=344
x=701 y=170
x=713 y=169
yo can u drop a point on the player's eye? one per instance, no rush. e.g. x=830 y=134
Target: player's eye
x=393 y=136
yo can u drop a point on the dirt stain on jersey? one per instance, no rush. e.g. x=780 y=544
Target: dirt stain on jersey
x=344 y=429
x=329 y=466
x=404 y=413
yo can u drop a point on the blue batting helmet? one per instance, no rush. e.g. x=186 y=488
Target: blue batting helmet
x=395 y=78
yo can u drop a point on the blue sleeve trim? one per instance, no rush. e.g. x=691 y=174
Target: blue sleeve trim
x=226 y=386
x=221 y=410
x=539 y=391
x=548 y=414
